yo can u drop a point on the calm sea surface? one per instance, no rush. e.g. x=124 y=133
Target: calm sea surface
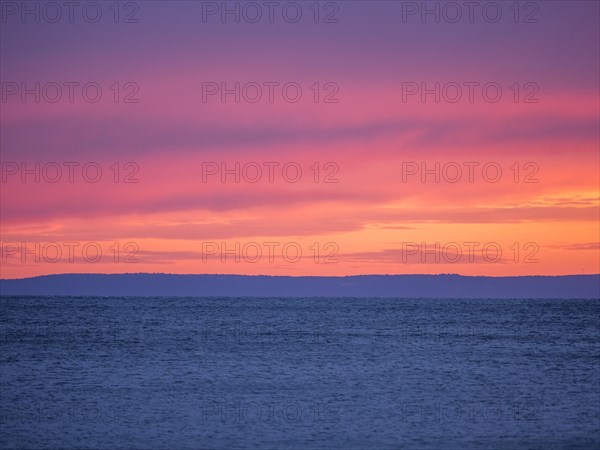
x=236 y=373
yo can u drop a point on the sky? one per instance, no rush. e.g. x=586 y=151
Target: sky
x=300 y=138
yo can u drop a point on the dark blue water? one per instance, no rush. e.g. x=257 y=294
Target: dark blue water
x=273 y=373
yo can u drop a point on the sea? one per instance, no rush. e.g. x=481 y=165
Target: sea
x=298 y=373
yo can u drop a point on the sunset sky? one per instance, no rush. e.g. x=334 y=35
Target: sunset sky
x=361 y=204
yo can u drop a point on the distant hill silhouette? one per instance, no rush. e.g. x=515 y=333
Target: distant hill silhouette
x=416 y=286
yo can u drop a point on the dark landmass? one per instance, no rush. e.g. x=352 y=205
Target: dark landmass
x=414 y=286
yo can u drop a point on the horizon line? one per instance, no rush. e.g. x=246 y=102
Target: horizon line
x=303 y=276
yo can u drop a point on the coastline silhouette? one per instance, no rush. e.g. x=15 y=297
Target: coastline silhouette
x=401 y=286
